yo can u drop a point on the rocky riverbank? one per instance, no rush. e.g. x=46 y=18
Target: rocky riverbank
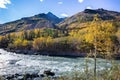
x=21 y=77
x=28 y=76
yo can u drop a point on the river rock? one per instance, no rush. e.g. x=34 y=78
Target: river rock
x=49 y=73
x=42 y=75
x=10 y=77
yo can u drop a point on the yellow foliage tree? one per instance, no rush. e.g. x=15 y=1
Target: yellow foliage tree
x=39 y=43
x=18 y=43
x=118 y=35
x=25 y=43
x=1 y=38
x=49 y=41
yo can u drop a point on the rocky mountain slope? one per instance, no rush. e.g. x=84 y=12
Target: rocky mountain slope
x=49 y=20
x=38 y=21
x=87 y=15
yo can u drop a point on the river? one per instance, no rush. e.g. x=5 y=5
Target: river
x=11 y=63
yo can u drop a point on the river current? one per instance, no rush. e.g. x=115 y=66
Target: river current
x=11 y=63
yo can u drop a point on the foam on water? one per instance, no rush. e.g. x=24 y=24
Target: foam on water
x=11 y=63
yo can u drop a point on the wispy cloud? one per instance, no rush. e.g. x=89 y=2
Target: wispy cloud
x=60 y=2
x=64 y=15
x=80 y=1
x=88 y=7
x=4 y=2
x=41 y=0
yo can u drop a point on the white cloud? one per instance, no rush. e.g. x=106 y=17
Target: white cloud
x=80 y=1
x=64 y=15
x=3 y=3
x=41 y=0
x=88 y=7
x=60 y=2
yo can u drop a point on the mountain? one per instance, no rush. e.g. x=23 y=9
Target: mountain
x=49 y=20
x=49 y=16
x=27 y=23
x=87 y=15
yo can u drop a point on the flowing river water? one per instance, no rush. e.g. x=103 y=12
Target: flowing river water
x=11 y=63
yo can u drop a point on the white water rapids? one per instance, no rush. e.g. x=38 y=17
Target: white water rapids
x=11 y=63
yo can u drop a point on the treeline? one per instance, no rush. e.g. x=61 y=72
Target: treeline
x=102 y=34
x=38 y=39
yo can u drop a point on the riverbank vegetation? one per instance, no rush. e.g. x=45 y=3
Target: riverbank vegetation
x=107 y=74
x=81 y=40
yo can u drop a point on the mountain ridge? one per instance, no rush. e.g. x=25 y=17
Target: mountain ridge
x=50 y=20
x=27 y=23
x=87 y=15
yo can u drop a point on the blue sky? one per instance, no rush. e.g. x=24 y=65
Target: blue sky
x=11 y=10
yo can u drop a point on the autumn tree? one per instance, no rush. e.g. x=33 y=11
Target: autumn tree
x=3 y=42
x=39 y=43
x=26 y=44
x=17 y=43
x=118 y=35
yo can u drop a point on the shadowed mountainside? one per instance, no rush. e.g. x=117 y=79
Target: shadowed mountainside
x=28 y=23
